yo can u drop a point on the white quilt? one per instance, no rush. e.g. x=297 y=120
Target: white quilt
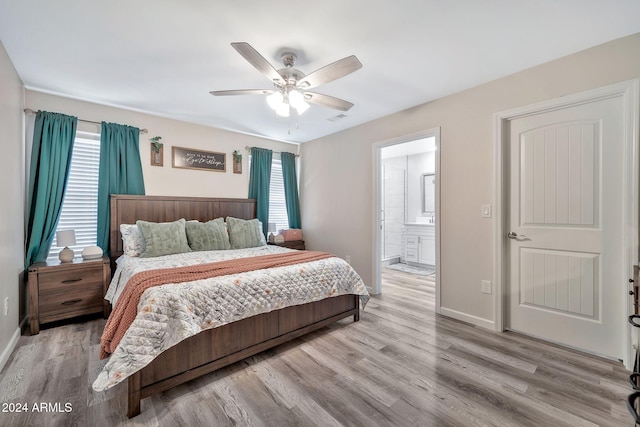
x=168 y=314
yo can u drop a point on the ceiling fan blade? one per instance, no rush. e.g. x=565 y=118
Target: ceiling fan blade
x=241 y=92
x=258 y=61
x=331 y=72
x=327 y=101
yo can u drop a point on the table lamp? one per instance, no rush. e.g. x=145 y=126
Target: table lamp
x=66 y=238
x=271 y=229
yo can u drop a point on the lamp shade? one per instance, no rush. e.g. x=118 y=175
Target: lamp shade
x=296 y=99
x=302 y=107
x=283 y=110
x=65 y=238
x=272 y=227
x=274 y=100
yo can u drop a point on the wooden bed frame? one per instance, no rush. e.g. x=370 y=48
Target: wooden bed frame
x=214 y=348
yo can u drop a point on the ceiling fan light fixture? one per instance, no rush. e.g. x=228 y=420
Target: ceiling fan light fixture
x=275 y=100
x=302 y=107
x=283 y=110
x=297 y=101
x=295 y=98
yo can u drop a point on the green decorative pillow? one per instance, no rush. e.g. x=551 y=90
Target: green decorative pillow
x=163 y=238
x=245 y=233
x=207 y=236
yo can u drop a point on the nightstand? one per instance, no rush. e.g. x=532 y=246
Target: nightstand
x=60 y=291
x=292 y=244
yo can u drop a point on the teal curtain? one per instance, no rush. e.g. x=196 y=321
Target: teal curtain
x=259 y=180
x=53 y=137
x=120 y=172
x=291 y=189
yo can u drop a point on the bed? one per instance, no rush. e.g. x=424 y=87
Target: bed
x=219 y=346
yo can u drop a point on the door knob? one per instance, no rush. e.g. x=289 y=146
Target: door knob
x=514 y=235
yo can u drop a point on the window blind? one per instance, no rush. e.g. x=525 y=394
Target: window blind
x=80 y=204
x=277 y=205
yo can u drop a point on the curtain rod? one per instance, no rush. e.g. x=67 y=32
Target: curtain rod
x=248 y=148
x=30 y=111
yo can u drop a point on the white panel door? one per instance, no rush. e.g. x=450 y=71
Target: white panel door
x=566 y=208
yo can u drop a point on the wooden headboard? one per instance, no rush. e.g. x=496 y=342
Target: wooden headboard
x=126 y=209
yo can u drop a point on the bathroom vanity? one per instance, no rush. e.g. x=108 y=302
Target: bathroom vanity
x=419 y=243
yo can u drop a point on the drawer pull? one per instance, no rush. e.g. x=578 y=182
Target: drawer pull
x=71 y=280
x=70 y=302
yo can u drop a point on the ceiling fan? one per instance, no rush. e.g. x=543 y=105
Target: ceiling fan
x=291 y=84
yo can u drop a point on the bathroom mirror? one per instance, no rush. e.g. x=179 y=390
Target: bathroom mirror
x=428 y=187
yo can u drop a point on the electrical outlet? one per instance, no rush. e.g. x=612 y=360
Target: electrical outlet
x=486 y=287
x=348 y=259
x=6 y=306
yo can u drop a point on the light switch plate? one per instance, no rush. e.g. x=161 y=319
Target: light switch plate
x=485 y=211
x=486 y=287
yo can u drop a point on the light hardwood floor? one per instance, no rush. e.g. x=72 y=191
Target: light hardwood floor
x=400 y=365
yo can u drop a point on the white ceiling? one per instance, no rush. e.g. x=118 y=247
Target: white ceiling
x=164 y=56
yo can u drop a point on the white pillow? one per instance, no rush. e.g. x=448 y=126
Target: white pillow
x=132 y=240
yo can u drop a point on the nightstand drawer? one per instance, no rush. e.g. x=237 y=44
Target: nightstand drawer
x=69 y=280
x=70 y=301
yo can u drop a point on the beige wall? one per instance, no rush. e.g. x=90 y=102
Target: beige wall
x=11 y=208
x=337 y=189
x=166 y=180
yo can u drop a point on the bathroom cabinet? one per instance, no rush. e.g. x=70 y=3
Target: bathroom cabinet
x=419 y=243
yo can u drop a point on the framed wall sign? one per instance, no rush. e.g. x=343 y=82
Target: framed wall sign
x=189 y=158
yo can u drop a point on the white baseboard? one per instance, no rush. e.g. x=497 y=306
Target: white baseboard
x=4 y=357
x=474 y=320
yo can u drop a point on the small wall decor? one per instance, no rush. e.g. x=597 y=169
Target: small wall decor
x=157 y=151
x=237 y=162
x=189 y=158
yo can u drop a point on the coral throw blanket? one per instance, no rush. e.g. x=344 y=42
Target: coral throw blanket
x=127 y=307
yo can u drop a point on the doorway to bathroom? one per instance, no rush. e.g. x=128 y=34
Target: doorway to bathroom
x=407 y=223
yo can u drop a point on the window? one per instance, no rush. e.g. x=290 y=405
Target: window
x=80 y=204
x=277 y=204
